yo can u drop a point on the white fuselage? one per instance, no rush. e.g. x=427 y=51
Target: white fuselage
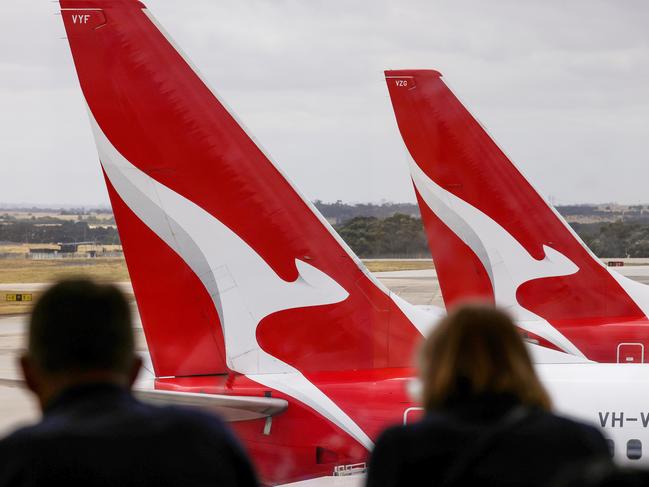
x=614 y=397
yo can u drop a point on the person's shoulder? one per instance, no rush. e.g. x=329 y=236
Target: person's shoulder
x=411 y=444
x=565 y=424
x=570 y=431
x=20 y=440
x=187 y=415
x=20 y=452
x=25 y=433
x=409 y=433
x=202 y=431
x=191 y=419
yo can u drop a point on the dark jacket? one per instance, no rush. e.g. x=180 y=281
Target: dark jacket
x=529 y=451
x=101 y=435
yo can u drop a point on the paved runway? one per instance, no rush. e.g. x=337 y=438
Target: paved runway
x=417 y=287
x=422 y=287
x=17 y=407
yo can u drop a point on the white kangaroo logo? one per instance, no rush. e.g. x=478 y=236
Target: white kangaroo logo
x=506 y=261
x=244 y=288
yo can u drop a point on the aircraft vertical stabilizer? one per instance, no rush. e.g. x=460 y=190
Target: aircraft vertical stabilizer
x=491 y=234
x=232 y=268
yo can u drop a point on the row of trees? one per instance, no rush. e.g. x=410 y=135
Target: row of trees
x=26 y=231
x=618 y=239
x=342 y=212
x=398 y=235
x=403 y=236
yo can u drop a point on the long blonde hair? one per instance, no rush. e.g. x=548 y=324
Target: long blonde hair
x=478 y=346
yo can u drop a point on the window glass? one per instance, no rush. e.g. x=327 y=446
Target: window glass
x=611 y=447
x=634 y=449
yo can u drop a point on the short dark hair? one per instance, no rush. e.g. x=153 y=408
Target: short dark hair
x=79 y=326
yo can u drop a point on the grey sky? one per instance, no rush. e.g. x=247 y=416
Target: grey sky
x=562 y=86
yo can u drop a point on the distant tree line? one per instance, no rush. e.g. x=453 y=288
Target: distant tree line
x=26 y=231
x=340 y=212
x=386 y=230
x=395 y=236
x=611 y=213
x=616 y=239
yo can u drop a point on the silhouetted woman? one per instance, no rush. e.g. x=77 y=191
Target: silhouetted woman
x=488 y=419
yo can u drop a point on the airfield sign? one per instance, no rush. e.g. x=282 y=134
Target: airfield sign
x=18 y=297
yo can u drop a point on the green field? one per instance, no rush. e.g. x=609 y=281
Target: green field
x=113 y=269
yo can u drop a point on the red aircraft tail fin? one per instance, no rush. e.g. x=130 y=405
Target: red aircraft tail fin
x=232 y=268
x=490 y=233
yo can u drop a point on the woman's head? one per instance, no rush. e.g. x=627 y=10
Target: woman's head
x=475 y=350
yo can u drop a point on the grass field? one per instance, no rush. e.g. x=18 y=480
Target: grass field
x=25 y=270
x=23 y=248
x=111 y=270
x=16 y=271
x=388 y=265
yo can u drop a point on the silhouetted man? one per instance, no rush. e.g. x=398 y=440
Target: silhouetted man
x=81 y=364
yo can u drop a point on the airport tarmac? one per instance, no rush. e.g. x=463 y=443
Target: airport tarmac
x=420 y=287
x=417 y=287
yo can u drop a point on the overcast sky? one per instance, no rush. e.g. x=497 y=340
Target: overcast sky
x=562 y=86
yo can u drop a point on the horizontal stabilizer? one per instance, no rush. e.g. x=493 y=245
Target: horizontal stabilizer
x=228 y=408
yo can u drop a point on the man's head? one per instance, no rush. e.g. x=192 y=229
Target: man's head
x=79 y=332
